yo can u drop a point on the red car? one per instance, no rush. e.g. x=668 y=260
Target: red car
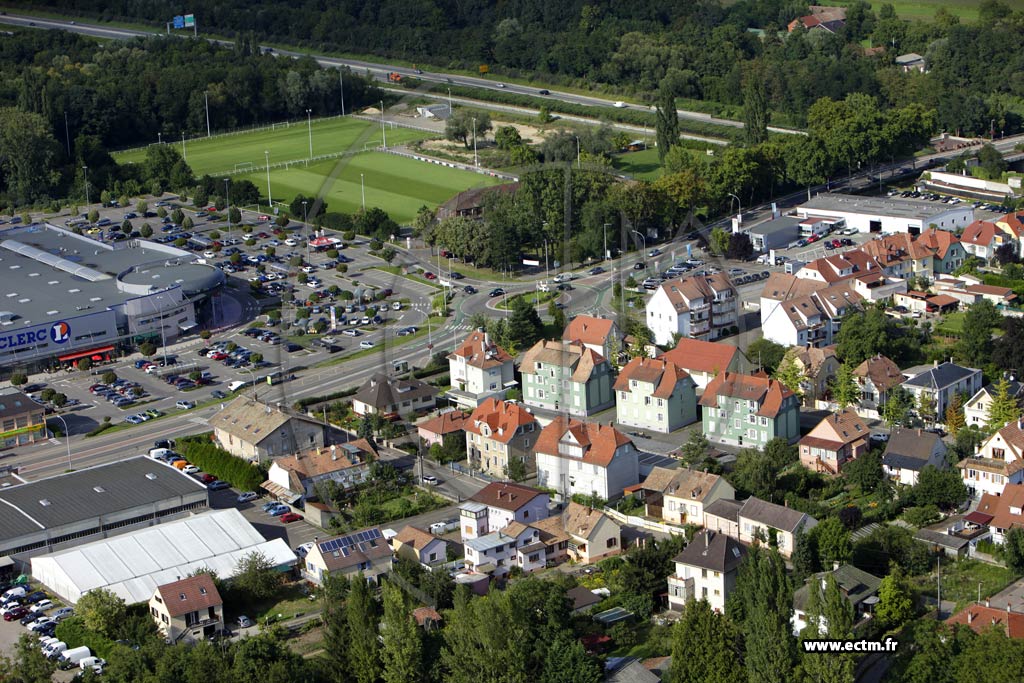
x=262 y=235
x=289 y=517
x=812 y=239
x=16 y=613
x=218 y=356
x=430 y=276
x=208 y=478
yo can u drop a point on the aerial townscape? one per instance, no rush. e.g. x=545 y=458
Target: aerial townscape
x=498 y=342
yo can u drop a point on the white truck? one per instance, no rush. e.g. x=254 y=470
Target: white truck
x=73 y=657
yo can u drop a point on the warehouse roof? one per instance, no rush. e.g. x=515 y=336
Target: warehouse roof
x=879 y=206
x=89 y=493
x=132 y=565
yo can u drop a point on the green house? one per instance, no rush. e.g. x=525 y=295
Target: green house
x=566 y=377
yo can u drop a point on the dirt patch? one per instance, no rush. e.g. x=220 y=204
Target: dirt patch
x=308 y=643
x=529 y=134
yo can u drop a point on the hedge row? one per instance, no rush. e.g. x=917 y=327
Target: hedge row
x=201 y=452
x=73 y=632
x=304 y=402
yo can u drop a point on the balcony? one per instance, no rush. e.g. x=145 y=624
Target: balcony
x=701 y=327
x=698 y=307
x=680 y=589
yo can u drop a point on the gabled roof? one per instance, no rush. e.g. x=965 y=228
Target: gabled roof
x=587 y=329
x=15 y=402
x=446 y=423
x=725 y=508
x=1014 y=222
x=351 y=550
x=938 y=242
x=882 y=371
x=581 y=521
x=839 y=429
x=696 y=355
x=981 y=618
x=189 y=595
x=981 y=233
x=381 y=391
x=682 y=291
x=770 y=514
x=331 y=459
x=783 y=286
x=813 y=359
x=506 y=495
x=480 y=352
x=940 y=376
x=250 y=421
x=580 y=359
x=415 y=537
x=500 y=419
x=913 y=444
x=663 y=374
x=855 y=584
x=768 y=393
x=1006 y=508
x=582 y=598
x=680 y=482
x=599 y=442
x=714 y=551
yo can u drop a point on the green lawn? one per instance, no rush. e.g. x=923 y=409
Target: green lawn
x=396 y=184
x=642 y=165
x=960 y=581
x=924 y=10
x=286 y=143
x=952 y=324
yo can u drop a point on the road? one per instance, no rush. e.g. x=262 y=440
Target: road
x=381 y=70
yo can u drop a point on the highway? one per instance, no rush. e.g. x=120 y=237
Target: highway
x=381 y=70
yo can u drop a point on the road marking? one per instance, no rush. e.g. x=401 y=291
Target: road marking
x=198 y=420
x=54 y=441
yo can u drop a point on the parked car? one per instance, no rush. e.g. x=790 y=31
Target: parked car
x=247 y=496
x=278 y=510
x=15 y=612
x=185 y=405
x=289 y=517
x=218 y=485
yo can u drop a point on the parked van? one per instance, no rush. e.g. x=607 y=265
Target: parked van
x=53 y=650
x=159 y=453
x=180 y=464
x=14 y=593
x=73 y=657
x=91 y=661
x=236 y=385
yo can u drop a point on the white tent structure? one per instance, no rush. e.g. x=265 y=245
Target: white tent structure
x=134 y=564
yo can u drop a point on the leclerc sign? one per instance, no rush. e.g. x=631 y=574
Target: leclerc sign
x=59 y=332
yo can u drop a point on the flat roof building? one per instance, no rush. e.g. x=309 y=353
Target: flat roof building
x=777 y=233
x=67 y=296
x=22 y=420
x=73 y=508
x=882 y=214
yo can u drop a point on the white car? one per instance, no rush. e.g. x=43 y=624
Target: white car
x=247 y=496
x=397 y=306
x=185 y=405
x=366 y=344
x=209 y=254
x=190 y=469
x=291 y=242
x=42 y=606
x=620 y=105
x=308 y=269
x=304 y=549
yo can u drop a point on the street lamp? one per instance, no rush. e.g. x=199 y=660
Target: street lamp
x=270 y=200
x=253 y=375
x=67 y=437
x=577 y=150
x=644 y=238
x=227 y=198
x=159 y=138
x=206 y=100
x=739 y=205
x=309 y=123
x=476 y=159
x=85 y=170
x=362 y=189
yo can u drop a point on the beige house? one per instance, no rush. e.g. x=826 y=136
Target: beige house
x=499 y=432
x=593 y=535
x=998 y=462
x=705 y=570
x=722 y=516
x=417 y=545
x=479 y=369
x=655 y=394
x=259 y=431
x=294 y=477
x=818 y=365
x=190 y=609
x=363 y=551
x=836 y=440
x=680 y=496
x=434 y=430
x=22 y=420
x=392 y=397
x=704 y=360
x=775 y=523
x=600 y=335
x=876 y=377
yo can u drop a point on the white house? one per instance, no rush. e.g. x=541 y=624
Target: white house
x=586 y=458
x=909 y=451
x=699 y=306
x=479 y=369
x=760 y=518
x=498 y=504
x=655 y=394
x=294 y=477
x=681 y=495
x=706 y=569
x=982 y=238
x=977 y=406
x=998 y=462
x=803 y=311
x=938 y=383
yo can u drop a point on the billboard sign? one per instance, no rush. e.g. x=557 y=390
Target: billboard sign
x=178 y=22
x=190 y=20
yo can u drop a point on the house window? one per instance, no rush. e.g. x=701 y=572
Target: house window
x=999 y=453
x=661 y=402
x=612 y=542
x=764 y=421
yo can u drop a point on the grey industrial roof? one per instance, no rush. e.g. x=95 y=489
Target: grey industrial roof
x=879 y=206
x=89 y=493
x=780 y=224
x=941 y=376
x=50 y=273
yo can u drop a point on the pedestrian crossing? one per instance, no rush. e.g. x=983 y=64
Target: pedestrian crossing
x=198 y=420
x=54 y=441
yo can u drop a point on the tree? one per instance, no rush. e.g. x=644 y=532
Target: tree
x=756 y=473
x=843 y=386
x=1003 y=409
x=28 y=155
x=460 y=126
x=568 y=662
x=94 y=215
x=666 y=122
x=925 y=407
x=865 y=472
x=402 y=647
x=1013 y=549
x=235 y=216
x=975 y=344
x=762 y=604
x=755 y=105
x=765 y=354
x=147 y=349
x=833 y=542
x=102 y=611
x=897 y=407
x=146 y=231
x=30 y=665
x=705 y=647
x=829 y=615
x=805 y=555
x=895 y=600
x=944 y=488
x=955 y=420
x=791 y=373
x=363 y=648
x=485 y=640
x=695 y=450
x=507 y=137
x=84 y=364
x=718 y=242
x=524 y=325
x=19 y=379
x=256 y=576
x=991 y=162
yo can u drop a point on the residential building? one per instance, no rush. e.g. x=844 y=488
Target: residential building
x=530 y=547
x=494 y=553
x=655 y=394
x=892 y=214
x=982 y=238
x=498 y=504
x=582 y=599
x=997 y=296
x=822 y=18
x=981 y=618
x=856 y=586
x=479 y=369
x=705 y=570
x=391 y=397
x=703 y=360
x=977 y=406
x=876 y=377
x=566 y=377
x=804 y=312
x=947 y=251
x=902 y=255
x=834 y=442
x=909 y=451
x=498 y=433
x=417 y=545
x=257 y=431
x=938 y=383
x=681 y=495
x=600 y=335
x=861 y=273
x=910 y=62
x=969 y=290
x=470 y=203
x=586 y=458
x=593 y=535
x=818 y=366
x=189 y=609
x=955 y=536
x=450 y=424
x=698 y=307
x=998 y=462
x=22 y=420
x=1013 y=225
x=722 y=516
x=749 y=410
x=1002 y=512
x=294 y=478
x=365 y=551
x=759 y=518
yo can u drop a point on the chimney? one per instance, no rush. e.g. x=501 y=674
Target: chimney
x=707 y=539
x=935 y=363
x=987 y=603
x=970 y=616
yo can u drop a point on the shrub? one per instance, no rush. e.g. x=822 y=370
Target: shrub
x=73 y=632
x=19 y=378
x=199 y=451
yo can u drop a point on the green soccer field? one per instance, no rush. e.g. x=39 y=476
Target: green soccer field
x=396 y=184
x=285 y=143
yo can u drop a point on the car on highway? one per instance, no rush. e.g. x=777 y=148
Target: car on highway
x=134 y=420
x=429 y=275
x=406 y=331
x=619 y=105
x=247 y=496
x=544 y=92
x=564 y=287
x=596 y=270
x=500 y=85
x=456 y=275
x=654 y=252
x=366 y=344
x=639 y=265
x=497 y=291
x=292 y=347
x=185 y=405
x=430 y=480
x=218 y=485
x=289 y=517
x=218 y=394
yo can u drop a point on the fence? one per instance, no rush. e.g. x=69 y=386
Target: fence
x=451 y=164
x=645 y=523
x=304 y=162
